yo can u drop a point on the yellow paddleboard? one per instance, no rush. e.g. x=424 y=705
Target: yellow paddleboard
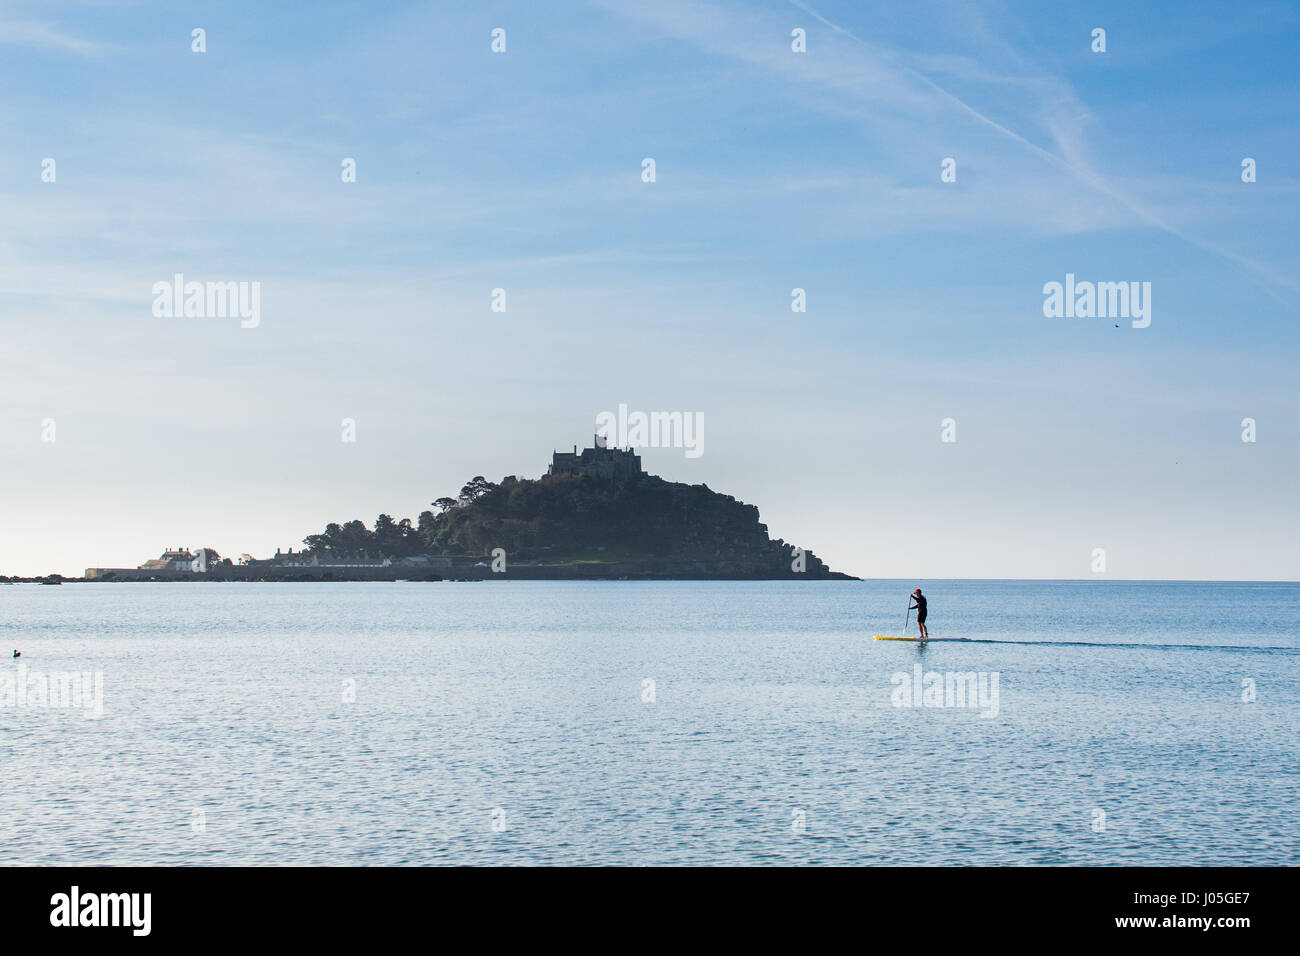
x=922 y=640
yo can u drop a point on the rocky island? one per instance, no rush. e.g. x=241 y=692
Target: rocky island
x=595 y=514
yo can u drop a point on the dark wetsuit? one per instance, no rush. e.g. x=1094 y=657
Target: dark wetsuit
x=920 y=608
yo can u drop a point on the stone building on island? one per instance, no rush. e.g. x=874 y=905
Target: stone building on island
x=174 y=561
x=179 y=559
x=600 y=462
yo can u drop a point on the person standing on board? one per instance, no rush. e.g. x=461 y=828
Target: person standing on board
x=919 y=607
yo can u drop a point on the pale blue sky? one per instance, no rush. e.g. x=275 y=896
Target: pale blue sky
x=775 y=170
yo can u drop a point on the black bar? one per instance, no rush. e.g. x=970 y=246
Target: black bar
x=655 y=906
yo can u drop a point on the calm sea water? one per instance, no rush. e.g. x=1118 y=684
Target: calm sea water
x=517 y=723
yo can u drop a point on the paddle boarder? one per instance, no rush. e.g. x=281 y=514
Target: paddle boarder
x=919 y=607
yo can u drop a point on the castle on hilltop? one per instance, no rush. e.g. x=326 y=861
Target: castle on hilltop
x=599 y=462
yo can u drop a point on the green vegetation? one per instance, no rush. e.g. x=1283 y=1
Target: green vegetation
x=578 y=519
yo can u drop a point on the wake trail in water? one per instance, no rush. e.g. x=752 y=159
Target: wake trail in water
x=1169 y=647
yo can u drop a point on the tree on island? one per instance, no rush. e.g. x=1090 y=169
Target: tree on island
x=389 y=539
x=475 y=489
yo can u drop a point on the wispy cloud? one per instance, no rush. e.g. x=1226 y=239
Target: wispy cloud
x=1071 y=159
x=44 y=35
x=909 y=98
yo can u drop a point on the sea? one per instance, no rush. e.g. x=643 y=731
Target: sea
x=1092 y=723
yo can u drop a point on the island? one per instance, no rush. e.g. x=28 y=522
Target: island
x=594 y=515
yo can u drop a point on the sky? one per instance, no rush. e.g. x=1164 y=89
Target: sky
x=123 y=432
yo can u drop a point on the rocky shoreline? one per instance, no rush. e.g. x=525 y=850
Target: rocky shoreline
x=585 y=572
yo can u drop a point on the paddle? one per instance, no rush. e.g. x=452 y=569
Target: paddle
x=908 y=616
